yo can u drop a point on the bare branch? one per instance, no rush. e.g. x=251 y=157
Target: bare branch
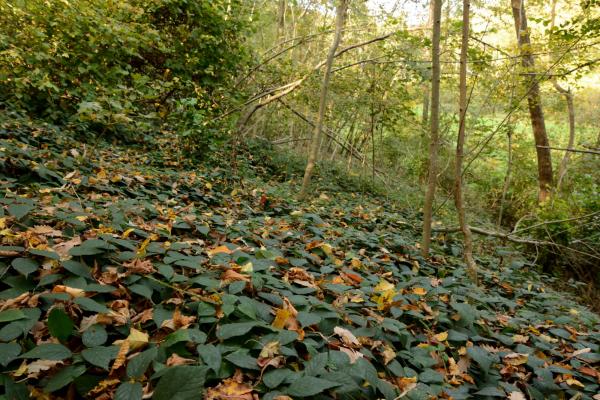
x=571 y=150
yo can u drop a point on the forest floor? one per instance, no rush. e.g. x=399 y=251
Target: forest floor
x=126 y=275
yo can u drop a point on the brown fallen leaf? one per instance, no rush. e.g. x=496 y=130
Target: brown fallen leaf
x=15 y=302
x=516 y=396
x=178 y=321
x=121 y=356
x=138 y=266
x=231 y=389
x=520 y=339
x=62 y=249
x=589 y=371
x=176 y=359
x=233 y=276
x=285 y=317
x=219 y=249
x=388 y=354
x=45 y=230
x=580 y=352
x=515 y=359
x=406 y=384
x=73 y=292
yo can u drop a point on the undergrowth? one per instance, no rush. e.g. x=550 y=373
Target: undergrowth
x=130 y=272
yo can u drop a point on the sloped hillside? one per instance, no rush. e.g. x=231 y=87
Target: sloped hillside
x=126 y=276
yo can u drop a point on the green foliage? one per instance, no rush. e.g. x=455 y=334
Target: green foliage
x=113 y=66
x=275 y=289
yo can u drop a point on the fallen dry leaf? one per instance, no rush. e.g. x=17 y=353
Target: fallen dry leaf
x=520 y=339
x=515 y=359
x=138 y=266
x=231 y=389
x=347 y=337
x=352 y=354
x=178 y=321
x=176 y=359
x=419 y=291
x=232 y=276
x=73 y=292
x=220 y=249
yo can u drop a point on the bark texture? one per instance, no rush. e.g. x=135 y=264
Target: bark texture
x=460 y=144
x=434 y=126
x=562 y=169
x=544 y=159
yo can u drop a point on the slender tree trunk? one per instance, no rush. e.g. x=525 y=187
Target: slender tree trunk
x=434 y=126
x=427 y=83
x=507 y=177
x=460 y=144
x=425 y=116
x=316 y=137
x=544 y=159
x=562 y=169
x=281 y=19
x=372 y=129
x=568 y=95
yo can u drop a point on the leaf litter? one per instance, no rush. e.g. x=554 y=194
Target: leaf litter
x=185 y=282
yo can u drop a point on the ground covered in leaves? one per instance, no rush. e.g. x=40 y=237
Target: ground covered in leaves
x=126 y=276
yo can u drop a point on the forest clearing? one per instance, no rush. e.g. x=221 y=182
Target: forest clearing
x=285 y=199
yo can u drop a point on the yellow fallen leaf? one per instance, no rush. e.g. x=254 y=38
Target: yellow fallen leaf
x=574 y=382
x=515 y=359
x=281 y=317
x=270 y=350
x=247 y=268
x=384 y=286
x=419 y=291
x=327 y=249
x=128 y=232
x=219 y=249
x=71 y=291
x=385 y=293
x=441 y=337
x=137 y=339
x=356 y=263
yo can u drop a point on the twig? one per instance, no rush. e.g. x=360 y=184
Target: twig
x=557 y=221
x=570 y=150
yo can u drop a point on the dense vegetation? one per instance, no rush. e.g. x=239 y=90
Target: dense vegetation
x=242 y=199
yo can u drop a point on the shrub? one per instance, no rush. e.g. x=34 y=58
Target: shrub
x=114 y=64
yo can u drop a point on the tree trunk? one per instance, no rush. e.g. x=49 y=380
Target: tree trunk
x=544 y=159
x=434 y=126
x=316 y=137
x=507 y=177
x=425 y=116
x=562 y=170
x=281 y=20
x=460 y=144
x=427 y=83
